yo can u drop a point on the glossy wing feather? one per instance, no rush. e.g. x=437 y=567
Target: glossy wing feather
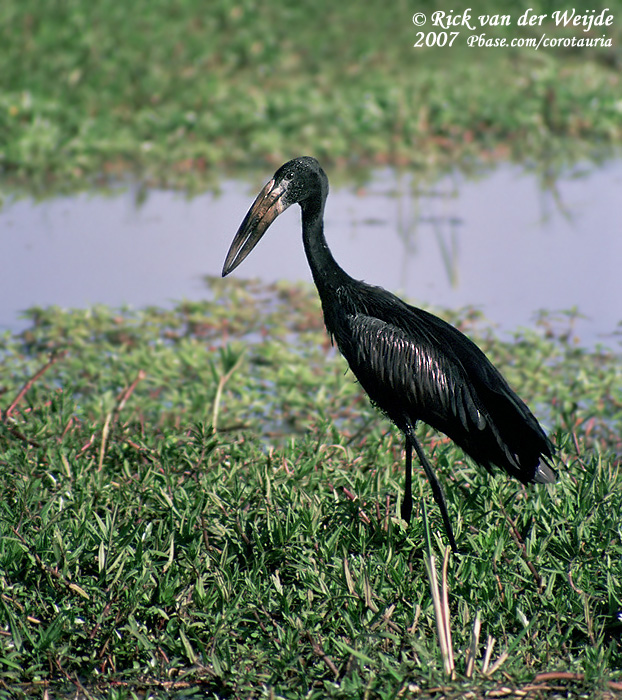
x=415 y=366
x=407 y=376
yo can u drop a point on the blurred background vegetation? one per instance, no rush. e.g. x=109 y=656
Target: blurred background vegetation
x=179 y=92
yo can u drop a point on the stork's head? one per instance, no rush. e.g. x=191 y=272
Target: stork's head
x=300 y=181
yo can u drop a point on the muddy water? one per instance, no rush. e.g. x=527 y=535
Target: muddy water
x=502 y=243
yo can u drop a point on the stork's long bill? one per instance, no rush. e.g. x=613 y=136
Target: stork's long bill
x=268 y=205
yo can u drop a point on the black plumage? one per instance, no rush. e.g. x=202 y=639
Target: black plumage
x=413 y=365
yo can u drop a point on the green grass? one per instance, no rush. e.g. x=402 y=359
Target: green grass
x=141 y=552
x=178 y=92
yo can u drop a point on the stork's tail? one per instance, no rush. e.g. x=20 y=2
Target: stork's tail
x=544 y=474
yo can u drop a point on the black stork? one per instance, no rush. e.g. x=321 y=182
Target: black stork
x=413 y=365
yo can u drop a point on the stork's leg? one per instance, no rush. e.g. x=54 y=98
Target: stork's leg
x=437 y=489
x=407 y=503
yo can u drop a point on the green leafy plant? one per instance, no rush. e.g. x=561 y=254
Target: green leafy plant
x=141 y=551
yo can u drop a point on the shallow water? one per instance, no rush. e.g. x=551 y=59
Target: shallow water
x=501 y=243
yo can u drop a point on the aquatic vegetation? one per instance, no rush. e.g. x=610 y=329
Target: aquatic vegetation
x=92 y=91
x=142 y=549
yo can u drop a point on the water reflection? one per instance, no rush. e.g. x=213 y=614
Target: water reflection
x=501 y=243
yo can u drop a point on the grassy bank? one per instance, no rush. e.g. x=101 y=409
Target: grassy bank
x=142 y=552
x=177 y=92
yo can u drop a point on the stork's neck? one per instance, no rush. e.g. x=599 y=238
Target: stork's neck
x=327 y=274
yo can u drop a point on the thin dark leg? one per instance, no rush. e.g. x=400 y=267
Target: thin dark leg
x=407 y=502
x=437 y=489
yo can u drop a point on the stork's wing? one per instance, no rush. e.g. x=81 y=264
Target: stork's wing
x=390 y=362
x=421 y=368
